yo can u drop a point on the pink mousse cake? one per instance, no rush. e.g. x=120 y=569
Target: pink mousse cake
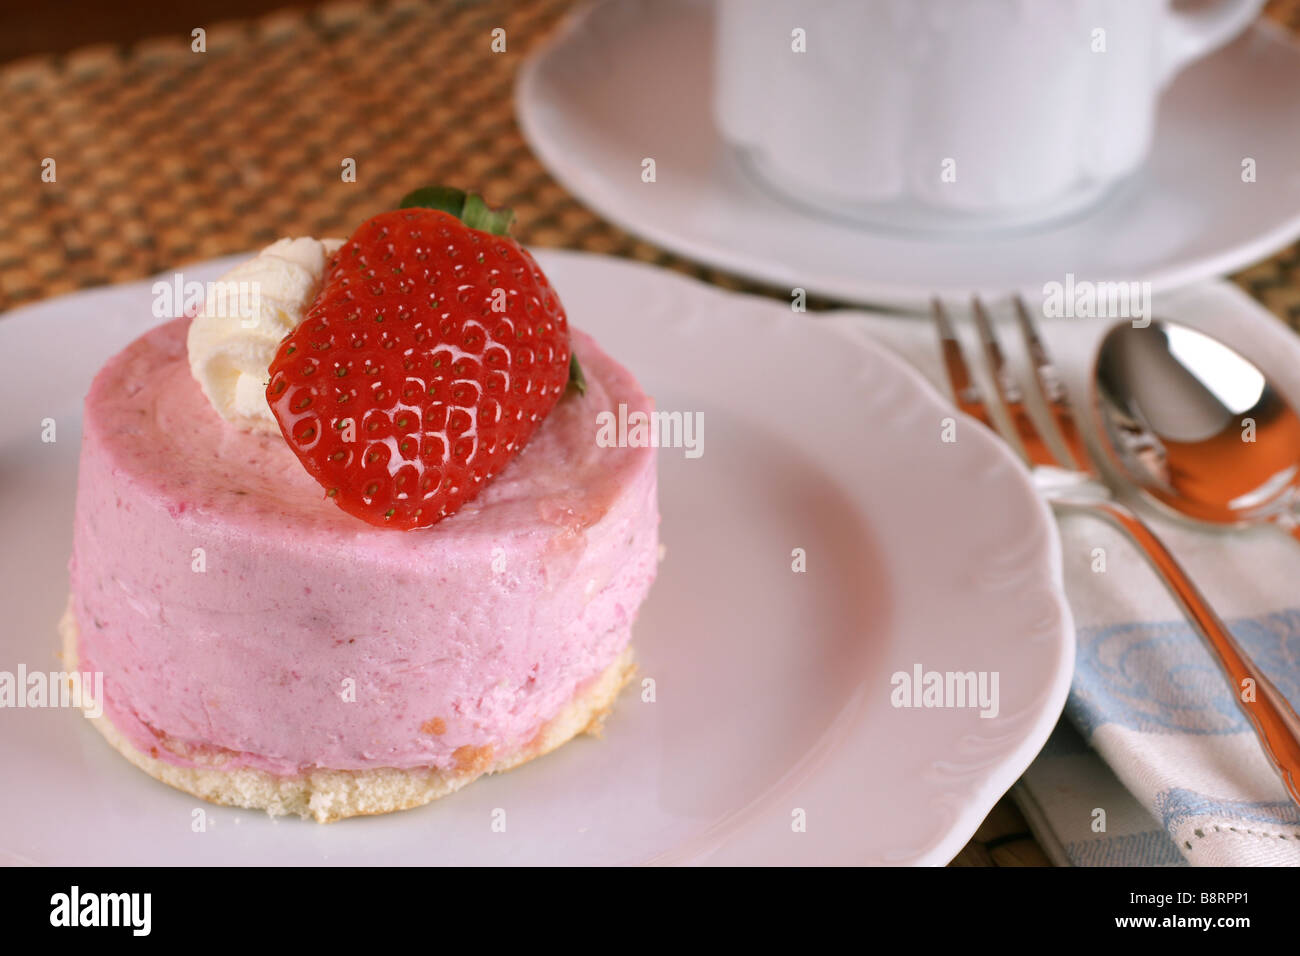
x=262 y=648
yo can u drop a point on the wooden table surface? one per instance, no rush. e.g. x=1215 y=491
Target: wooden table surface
x=166 y=156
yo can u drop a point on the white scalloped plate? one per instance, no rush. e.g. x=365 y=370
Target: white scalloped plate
x=627 y=79
x=772 y=688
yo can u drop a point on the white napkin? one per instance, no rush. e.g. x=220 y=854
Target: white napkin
x=1147 y=696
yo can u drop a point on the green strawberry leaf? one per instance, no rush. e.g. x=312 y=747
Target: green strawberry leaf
x=477 y=215
x=446 y=198
x=577 y=381
x=469 y=208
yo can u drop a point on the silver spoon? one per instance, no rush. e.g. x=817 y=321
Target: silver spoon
x=1198 y=427
x=1202 y=432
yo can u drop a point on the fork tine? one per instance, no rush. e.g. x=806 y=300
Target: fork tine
x=1036 y=450
x=1051 y=389
x=964 y=391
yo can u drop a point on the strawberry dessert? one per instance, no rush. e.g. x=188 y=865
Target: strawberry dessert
x=346 y=549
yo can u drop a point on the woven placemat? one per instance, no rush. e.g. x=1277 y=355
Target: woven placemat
x=163 y=156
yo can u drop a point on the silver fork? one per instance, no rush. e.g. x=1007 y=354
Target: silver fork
x=1073 y=482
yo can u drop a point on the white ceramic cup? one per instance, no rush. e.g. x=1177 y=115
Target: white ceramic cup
x=952 y=115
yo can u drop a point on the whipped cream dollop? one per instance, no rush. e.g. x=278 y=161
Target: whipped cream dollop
x=246 y=313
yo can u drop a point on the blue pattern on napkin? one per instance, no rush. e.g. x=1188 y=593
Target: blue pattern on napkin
x=1159 y=678
x=1175 y=806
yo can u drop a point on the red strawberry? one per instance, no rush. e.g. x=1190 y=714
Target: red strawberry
x=424 y=365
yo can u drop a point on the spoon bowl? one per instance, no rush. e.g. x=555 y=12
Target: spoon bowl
x=1196 y=426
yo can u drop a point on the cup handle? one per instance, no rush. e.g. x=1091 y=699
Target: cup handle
x=1189 y=36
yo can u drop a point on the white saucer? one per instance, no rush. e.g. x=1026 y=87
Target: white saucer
x=772 y=686
x=628 y=80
